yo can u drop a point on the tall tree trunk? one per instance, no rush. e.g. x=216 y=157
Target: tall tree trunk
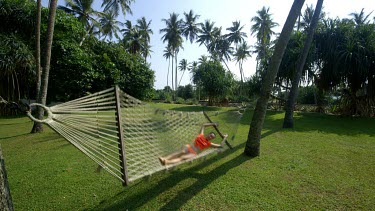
x=169 y=63
x=87 y=33
x=172 y=70
x=46 y=66
x=181 y=77
x=37 y=48
x=6 y=203
x=37 y=127
x=225 y=64
x=175 y=76
x=252 y=147
x=241 y=73
x=288 y=119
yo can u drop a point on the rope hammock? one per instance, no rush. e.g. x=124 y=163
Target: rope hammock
x=124 y=135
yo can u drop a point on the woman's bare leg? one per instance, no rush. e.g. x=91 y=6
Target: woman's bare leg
x=179 y=159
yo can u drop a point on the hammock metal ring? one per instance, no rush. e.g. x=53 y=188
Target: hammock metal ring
x=49 y=113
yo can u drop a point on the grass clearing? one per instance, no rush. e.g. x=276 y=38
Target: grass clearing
x=324 y=163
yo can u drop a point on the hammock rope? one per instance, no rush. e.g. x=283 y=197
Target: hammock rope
x=124 y=135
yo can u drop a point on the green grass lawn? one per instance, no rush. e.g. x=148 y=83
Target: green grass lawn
x=324 y=163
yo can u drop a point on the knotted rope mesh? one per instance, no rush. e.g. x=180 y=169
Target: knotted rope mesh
x=128 y=150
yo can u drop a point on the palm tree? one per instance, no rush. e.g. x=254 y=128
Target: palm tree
x=307 y=17
x=168 y=54
x=242 y=52
x=263 y=29
x=360 y=18
x=183 y=66
x=288 y=119
x=190 y=26
x=203 y=59
x=252 y=147
x=37 y=48
x=132 y=38
x=46 y=66
x=145 y=31
x=109 y=25
x=208 y=33
x=83 y=10
x=172 y=35
x=236 y=35
x=223 y=50
x=114 y=6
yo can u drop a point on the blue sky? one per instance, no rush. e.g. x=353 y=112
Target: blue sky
x=223 y=13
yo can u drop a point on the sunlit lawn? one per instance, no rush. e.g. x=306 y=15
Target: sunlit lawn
x=324 y=163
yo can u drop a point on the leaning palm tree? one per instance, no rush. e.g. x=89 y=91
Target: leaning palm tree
x=307 y=17
x=262 y=27
x=46 y=66
x=252 y=147
x=109 y=25
x=360 y=18
x=207 y=34
x=172 y=35
x=114 y=6
x=85 y=13
x=223 y=50
x=190 y=26
x=235 y=34
x=183 y=66
x=217 y=45
x=288 y=119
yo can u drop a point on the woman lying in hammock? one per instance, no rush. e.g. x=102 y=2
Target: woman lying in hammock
x=191 y=150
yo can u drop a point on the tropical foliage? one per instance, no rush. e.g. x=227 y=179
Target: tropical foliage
x=75 y=70
x=214 y=80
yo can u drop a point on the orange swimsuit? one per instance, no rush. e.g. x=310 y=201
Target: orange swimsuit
x=201 y=142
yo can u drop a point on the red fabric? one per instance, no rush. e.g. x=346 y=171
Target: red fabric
x=191 y=150
x=201 y=142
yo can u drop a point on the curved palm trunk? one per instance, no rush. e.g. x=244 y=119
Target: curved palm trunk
x=88 y=32
x=288 y=119
x=252 y=146
x=45 y=74
x=225 y=64
x=181 y=77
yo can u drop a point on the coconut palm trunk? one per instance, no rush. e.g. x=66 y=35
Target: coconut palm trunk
x=37 y=47
x=288 y=119
x=175 y=76
x=6 y=202
x=172 y=75
x=46 y=66
x=252 y=147
x=169 y=64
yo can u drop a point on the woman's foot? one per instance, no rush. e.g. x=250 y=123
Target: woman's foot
x=162 y=161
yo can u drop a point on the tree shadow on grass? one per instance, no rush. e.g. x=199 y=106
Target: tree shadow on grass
x=135 y=201
x=196 y=108
x=324 y=123
x=9 y=137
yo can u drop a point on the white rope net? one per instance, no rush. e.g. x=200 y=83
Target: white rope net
x=147 y=132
